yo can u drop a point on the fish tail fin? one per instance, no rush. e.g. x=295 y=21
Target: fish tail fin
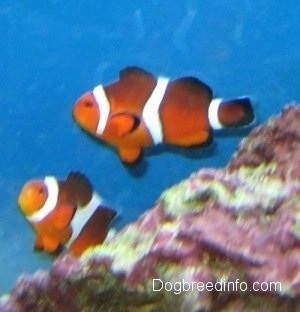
x=236 y=112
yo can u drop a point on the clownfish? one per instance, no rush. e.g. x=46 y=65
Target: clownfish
x=140 y=110
x=65 y=213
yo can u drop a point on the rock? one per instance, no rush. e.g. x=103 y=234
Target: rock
x=222 y=240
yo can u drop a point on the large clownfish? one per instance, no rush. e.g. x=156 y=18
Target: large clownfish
x=65 y=213
x=140 y=110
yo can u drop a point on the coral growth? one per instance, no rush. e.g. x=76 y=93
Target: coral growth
x=237 y=226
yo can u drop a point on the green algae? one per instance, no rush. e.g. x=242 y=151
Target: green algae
x=296 y=204
x=247 y=188
x=125 y=249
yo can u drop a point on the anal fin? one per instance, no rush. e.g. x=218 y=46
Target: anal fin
x=50 y=244
x=129 y=155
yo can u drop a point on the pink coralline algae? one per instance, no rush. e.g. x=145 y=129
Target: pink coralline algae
x=222 y=240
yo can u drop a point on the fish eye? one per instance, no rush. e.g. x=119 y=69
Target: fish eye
x=87 y=104
x=40 y=191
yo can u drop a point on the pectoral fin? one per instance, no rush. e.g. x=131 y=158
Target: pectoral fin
x=123 y=123
x=62 y=216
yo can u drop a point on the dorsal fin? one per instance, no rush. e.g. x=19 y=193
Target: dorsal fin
x=196 y=84
x=107 y=214
x=80 y=187
x=134 y=72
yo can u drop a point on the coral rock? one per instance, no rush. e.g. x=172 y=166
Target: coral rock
x=228 y=229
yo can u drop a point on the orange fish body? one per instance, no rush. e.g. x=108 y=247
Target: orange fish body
x=140 y=110
x=65 y=213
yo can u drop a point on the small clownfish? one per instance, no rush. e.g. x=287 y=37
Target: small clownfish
x=140 y=110
x=65 y=213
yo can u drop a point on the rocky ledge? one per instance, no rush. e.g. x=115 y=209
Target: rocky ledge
x=222 y=240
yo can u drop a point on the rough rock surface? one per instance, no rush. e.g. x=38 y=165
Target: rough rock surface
x=229 y=228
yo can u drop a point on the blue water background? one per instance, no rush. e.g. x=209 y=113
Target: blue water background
x=53 y=51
